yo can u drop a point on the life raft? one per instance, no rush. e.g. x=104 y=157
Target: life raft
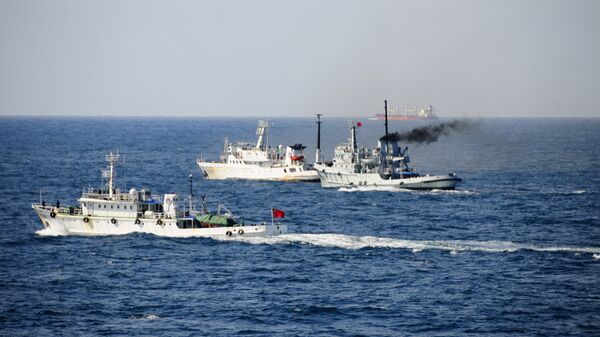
x=297 y=158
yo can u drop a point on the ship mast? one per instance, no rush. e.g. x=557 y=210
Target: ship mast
x=261 y=132
x=318 y=151
x=353 y=142
x=191 y=196
x=111 y=159
x=386 y=120
x=386 y=143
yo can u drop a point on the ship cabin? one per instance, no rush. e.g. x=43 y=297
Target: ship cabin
x=128 y=205
x=397 y=159
x=249 y=154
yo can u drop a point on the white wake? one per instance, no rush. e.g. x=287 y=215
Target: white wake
x=453 y=246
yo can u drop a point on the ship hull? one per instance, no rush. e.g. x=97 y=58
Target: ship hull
x=221 y=171
x=67 y=225
x=341 y=179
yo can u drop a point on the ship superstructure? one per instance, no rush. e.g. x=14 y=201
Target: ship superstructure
x=110 y=211
x=386 y=165
x=259 y=161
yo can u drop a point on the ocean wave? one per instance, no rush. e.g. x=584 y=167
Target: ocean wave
x=452 y=246
x=560 y=192
x=144 y=317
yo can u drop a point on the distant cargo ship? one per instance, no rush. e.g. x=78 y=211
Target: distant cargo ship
x=409 y=114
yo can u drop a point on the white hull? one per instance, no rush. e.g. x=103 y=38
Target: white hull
x=342 y=179
x=63 y=224
x=220 y=171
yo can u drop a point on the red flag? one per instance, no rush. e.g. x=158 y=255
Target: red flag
x=359 y=124
x=278 y=213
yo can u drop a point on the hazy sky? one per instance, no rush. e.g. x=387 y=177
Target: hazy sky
x=296 y=58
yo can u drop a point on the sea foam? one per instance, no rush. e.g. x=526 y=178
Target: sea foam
x=360 y=242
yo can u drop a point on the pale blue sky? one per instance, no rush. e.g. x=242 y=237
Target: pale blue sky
x=296 y=58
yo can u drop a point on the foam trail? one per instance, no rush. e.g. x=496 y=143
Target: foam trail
x=360 y=242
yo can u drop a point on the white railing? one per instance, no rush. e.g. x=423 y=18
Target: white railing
x=106 y=196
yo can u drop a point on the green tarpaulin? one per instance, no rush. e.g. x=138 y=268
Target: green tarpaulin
x=213 y=219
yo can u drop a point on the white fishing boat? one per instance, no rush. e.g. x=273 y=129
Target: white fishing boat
x=385 y=166
x=259 y=161
x=109 y=211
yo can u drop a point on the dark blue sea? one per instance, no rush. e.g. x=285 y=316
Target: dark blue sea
x=514 y=251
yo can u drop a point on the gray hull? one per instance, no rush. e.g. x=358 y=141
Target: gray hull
x=341 y=179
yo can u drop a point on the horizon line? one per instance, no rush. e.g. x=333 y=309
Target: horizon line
x=282 y=117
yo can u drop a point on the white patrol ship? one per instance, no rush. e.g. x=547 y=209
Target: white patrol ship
x=385 y=166
x=108 y=211
x=259 y=161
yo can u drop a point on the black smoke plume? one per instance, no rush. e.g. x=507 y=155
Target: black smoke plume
x=428 y=134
